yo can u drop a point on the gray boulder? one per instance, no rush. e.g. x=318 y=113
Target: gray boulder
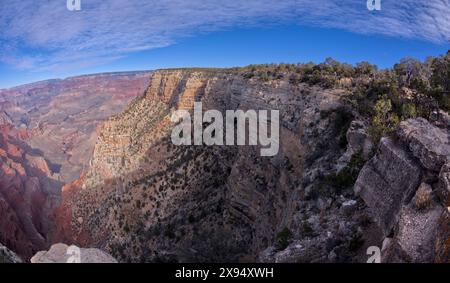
x=416 y=233
x=358 y=142
x=430 y=144
x=388 y=180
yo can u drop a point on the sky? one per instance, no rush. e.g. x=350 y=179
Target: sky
x=42 y=39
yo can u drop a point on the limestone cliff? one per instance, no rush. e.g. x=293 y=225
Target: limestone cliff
x=144 y=199
x=27 y=193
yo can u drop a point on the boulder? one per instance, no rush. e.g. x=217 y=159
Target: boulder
x=358 y=141
x=416 y=233
x=61 y=253
x=387 y=181
x=430 y=144
x=392 y=252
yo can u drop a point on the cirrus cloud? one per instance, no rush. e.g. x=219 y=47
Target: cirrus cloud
x=44 y=35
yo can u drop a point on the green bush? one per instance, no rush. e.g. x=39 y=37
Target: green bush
x=408 y=111
x=284 y=238
x=343 y=179
x=384 y=121
x=306 y=229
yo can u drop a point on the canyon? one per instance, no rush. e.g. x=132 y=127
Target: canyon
x=47 y=134
x=89 y=161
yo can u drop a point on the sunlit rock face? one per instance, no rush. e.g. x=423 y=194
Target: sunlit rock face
x=62 y=115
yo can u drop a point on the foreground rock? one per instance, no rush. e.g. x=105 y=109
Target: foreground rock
x=61 y=253
x=428 y=143
x=405 y=187
x=387 y=181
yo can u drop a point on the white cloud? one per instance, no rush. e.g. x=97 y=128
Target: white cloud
x=44 y=35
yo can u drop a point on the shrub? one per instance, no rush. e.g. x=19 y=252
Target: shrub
x=343 y=179
x=384 y=120
x=284 y=238
x=170 y=232
x=306 y=229
x=409 y=110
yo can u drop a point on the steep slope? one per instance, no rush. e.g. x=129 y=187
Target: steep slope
x=28 y=193
x=47 y=135
x=145 y=199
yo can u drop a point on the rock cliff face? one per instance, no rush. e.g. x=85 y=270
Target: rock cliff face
x=28 y=193
x=145 y=199
x=47 y=135
x=406 y=188
x=62 y=115
x=326 y=196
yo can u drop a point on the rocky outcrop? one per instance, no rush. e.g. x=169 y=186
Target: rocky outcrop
x=431 y=145
x=383 y=188
x=405 y=187
x=358 y=141
x=61 y=253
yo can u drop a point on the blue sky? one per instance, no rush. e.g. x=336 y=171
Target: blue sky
x=44 y=40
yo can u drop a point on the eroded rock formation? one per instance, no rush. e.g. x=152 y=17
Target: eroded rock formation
x=47 y=134
x=406 y=188
x=28 y=194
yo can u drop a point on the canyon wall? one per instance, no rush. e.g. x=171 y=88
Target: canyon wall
x=145 y=199
x=47 y=135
